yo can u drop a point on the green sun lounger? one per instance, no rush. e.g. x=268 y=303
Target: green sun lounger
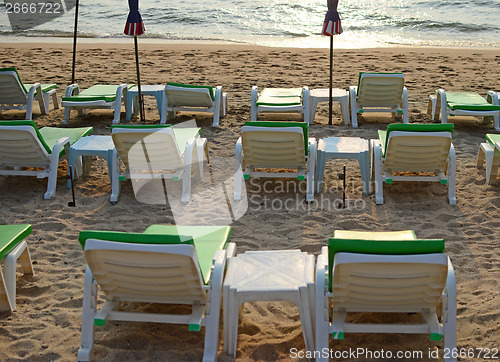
x=12 y=248
x=23 y=145
x=446 y=104
x=489 y=152
x=275 y=145
x=167 y=265
x=196 y=98
x=384 y=272
x=415 y=148
x=96 y=97
x=14 y=94
x=280 y=100
x=157 y=152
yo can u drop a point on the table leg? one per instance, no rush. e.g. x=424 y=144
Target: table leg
x=313 y=104
x=71 y=166
x=130 y=105
x=344 y=104
x=163 y=109
x=320 y=170
x=364 y=167
x=109 y=160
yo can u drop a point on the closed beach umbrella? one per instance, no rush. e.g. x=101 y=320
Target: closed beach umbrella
x=135 y=27
x=77 y=5
x=331 y=27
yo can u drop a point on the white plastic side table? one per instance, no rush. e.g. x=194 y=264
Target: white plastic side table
x=158 y=91
x=278 y=275
x=343 y=148
x=101 y=146
x=317 y=96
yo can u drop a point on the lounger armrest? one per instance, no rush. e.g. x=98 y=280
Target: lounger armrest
x=72 y=90
x=35 y=88
x=255 y=94
x=121 y=91
x=321 y=273
x=231 y=250
x=62 y=142
x=493 y=98
x=442 y=104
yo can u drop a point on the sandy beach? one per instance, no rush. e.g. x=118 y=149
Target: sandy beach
x=46 y=323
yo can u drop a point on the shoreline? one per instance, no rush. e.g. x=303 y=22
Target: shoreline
x=54 y=41
x=150 y=44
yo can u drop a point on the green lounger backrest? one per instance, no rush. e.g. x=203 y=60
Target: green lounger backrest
x=99 y=92
x=11 y=236
x=280 y=97
x=213 y=239
x=13 y=69
x=493 y=138
x=283 y=124
x=32 y=124
x=382 y=73
x=381 y=247
x=469 y=101
x=384 y=135
x=211 y=90
x=26 y=87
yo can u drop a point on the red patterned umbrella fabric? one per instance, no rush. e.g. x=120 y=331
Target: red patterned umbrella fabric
x=134 y=25
x=332 y=24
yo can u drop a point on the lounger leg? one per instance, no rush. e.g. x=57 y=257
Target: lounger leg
x=54 y=164
x=304 y=306
x=354 y=109
x=481 y=154
x=442 y=105
x=451 y=177
x=311 y=169
x=19 y=252
x=55 y=100
x=86 y=351
x=253 y=109
x=238 y=170
x=116 y=117
x=377 y=169
x=67 y=111
x=186 y=177
x=450 y=313
x=406 y=116
x=213 y=312
x=322 y=316
x=495 y=162
x=115 y=177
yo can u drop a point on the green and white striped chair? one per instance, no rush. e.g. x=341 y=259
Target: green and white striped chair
x=418 y=148
x=447 y=104
x=23 y=145
x=157 y=152
x=275 y=145
x=379 y=92
x=164 y=265
x=96 y=97
x=280 y=100
x=195 y=98
x=489 y=152
x=14 y=94
x=384 y=272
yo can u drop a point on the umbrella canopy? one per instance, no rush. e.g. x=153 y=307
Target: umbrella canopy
x=331 y=26
x=135 y=27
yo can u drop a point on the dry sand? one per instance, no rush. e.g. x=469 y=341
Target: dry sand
x=46 y=324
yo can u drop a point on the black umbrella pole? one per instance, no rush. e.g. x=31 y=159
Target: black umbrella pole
x=141 y=101
x=74 y=42
x=330 y=95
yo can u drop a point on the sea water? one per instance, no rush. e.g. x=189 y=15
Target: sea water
x=290 y=23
